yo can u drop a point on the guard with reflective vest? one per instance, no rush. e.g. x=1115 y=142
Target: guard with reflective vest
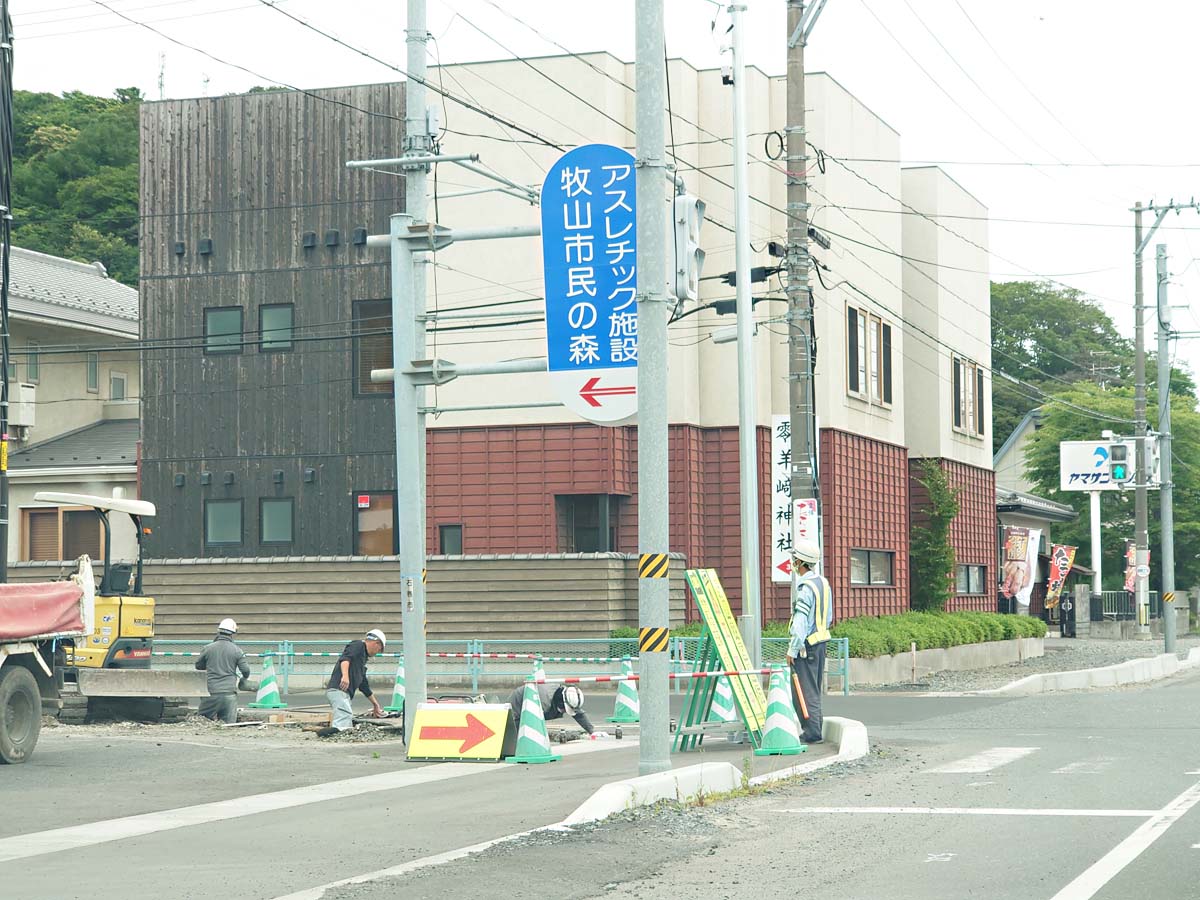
x=812 y=617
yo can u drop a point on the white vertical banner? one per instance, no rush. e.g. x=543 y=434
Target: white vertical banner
x=781 y=499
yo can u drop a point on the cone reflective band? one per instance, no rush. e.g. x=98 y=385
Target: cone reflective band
x=781 y=730
x=627 y=708
x=268 y=689
x=653 y=640
x=722 y=709
x=654 y=565
x=533 y=743
x=539 y=671
x=397 y=704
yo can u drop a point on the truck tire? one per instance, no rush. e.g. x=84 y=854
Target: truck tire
x=20 y=714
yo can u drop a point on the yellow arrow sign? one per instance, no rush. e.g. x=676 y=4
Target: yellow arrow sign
x=472 y=731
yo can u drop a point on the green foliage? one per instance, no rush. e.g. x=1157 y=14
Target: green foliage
x=777 y=629
x=75 y=177
x=888 y=635
x=932 y=555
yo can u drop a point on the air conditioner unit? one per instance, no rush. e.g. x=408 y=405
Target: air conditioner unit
x=21 y=405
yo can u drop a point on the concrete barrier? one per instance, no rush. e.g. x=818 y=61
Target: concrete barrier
x=899 y=668
x=1133 y=671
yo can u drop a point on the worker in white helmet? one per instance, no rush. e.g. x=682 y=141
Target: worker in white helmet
x=350 y=676
x=223 y=660
x=558 y=700
x=812 y=617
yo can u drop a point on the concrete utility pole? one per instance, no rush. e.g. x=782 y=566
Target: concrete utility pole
x=6 y=146
x=1166 y=488
x=801 y=391
x=408 y=343
x=747 y=370
x=653 y=519
x=1141 y=558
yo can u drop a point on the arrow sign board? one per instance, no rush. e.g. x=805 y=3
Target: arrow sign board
x=589 y=253
x=454 y=731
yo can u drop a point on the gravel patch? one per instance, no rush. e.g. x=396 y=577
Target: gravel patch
x=1062 y=655
x=247 y=735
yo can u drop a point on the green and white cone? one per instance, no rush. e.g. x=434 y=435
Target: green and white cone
x=722 y=709
x=627 y=709
x=539 y=670
x=397 y=704
x=781 y=731
x=268 y=688
x=533 y=744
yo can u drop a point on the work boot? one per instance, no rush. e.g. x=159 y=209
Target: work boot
x=328 y=731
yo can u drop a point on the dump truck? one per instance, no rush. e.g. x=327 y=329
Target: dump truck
x=37 y=621
x=107 y=672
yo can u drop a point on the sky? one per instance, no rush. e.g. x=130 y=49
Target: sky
x=1058 y=115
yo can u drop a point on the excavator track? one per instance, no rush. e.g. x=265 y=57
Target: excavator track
x=79 y=710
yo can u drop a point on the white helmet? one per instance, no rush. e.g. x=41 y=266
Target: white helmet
x=227 y=626
x=573 y=699
x=376 y=634
x=807 y=552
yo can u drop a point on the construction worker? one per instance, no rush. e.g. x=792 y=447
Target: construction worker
x=350 y=676
x=223 y=660
x=557 y=700
x=812 y=617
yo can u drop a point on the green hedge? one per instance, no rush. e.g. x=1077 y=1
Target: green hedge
x=883 y=635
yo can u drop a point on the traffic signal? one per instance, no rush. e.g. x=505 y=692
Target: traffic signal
x=1120 y=466
x=689 y=258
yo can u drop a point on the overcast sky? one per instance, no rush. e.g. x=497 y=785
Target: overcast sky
x=1063 y=81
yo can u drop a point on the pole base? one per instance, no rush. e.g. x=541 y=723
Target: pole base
x=533 y=760
x=266 y=706
x=393 y=708
x=786 y=751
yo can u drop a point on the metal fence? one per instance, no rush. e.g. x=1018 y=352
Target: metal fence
x=488 y=662
x=1122 y=605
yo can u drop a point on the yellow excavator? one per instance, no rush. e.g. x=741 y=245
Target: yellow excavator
x=107 y=674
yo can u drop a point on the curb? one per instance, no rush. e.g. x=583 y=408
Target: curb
x=688 y=782
x=1133 y=671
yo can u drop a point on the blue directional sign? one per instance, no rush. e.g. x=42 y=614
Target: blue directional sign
x=589 y=250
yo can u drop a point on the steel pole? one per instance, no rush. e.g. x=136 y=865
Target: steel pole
x=6 y=176
x=1166 y=488
x=1141 y=557
x=653 y=522
x=747 y=369
x=1097 y=548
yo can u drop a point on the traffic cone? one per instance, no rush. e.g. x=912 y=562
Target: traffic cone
x=781 y=731
x=268 y=689
x=539 y=670
x=722 y=709
x=627 y=709
x=533 y=744
x=397 y=704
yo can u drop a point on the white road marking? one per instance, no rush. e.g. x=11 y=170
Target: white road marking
x=939 y=857
x=1108 y=866
x=1086 y=766
x=974 y=811
x=985 y=761
x=39 y=843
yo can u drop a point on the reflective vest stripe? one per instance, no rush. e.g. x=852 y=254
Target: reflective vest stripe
x=820 y=587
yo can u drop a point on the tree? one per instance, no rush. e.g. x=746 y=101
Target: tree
x=932 y=556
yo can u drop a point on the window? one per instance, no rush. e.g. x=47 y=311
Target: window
x=450 y=540
x=62 y=533
x=375 y=524
x=12 y=369
x=276 y=520
x=968 y=397
x=872 y=567
x=868 y=357
x=587 y=523
x=33 y=363
x=969 y=579
x=116 y=385
x=223 y=329
x=222 y=522
x=93 y=373
x=372 y=345
x=275 y=327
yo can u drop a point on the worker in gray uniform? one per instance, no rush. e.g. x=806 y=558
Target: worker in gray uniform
x=557 y=700
x=223 y=660
x=812 y=617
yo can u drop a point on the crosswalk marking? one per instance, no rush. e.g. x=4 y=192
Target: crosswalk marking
x=1086 y=766
x=985 y=761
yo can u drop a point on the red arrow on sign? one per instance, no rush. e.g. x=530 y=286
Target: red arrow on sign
x=471 y=734
x=590 y=391
x=785 y=567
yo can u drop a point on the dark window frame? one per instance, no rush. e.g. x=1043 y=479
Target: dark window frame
x=92 y=372
x=262 y=502
x=442 y=551
x=33 y=362
x=241 y=521
x=870 y=552
x=362 y=389
x=967 y=568
x=290 y=344
x=354 y=495
x=234 y=349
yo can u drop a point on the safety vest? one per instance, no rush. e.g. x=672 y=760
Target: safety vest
x=823 y=612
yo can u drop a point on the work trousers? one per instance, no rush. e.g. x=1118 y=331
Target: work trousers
x=343 y=713
x=810 y=670
x=220 y=708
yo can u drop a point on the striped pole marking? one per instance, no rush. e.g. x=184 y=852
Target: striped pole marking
x=653 y=640
x=654 y=565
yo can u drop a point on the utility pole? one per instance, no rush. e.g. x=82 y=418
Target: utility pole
x=801 y=393
x=747 y=370
x=653 y=518
x=1166 y=488
x=6 y=142
x=1141 y=557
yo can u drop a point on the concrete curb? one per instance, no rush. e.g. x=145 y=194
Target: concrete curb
x=1133 y=671
x=686 y=783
